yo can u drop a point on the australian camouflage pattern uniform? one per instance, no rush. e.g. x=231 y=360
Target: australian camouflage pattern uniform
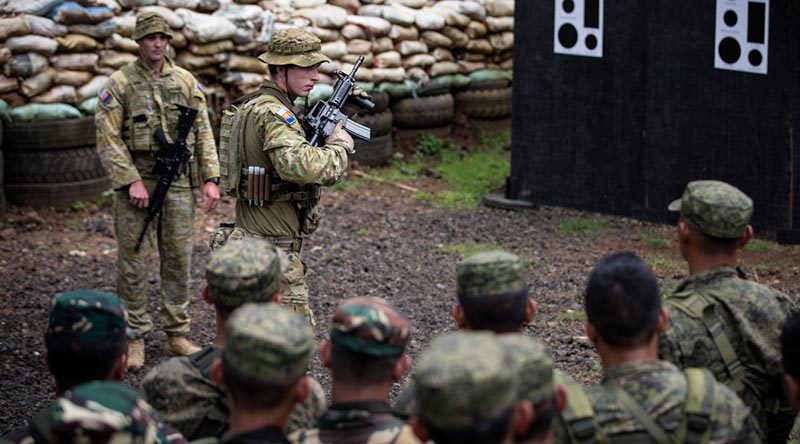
x=722 y=321
x=181 y=388
x=373 y=328
x=271 y=136
x=131 y=106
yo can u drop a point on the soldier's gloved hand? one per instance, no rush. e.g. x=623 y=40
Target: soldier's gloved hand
x=359 y=91
x=341 y=137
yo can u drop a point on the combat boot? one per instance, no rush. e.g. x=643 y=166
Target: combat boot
x=179 y=346
x=135 y=354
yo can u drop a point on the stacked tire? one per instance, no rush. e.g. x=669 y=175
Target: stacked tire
x=52 y=163
x=485 y=104
x=378 y=150
x=431 y=112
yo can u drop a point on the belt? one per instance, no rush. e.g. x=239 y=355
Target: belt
x=293 y=244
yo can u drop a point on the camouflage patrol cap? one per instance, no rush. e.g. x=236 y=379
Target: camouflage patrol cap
x=150 y=23
x=491 y=273
x=268 y=341
x=370 y=326
x=102 y=411
x=244 y=271
x=294 y=46
x=534 y=366
x=87 y=316
x=464 y=377
x=715 y=208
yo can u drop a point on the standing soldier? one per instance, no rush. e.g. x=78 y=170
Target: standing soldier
x=136 y=101
x=269 y=137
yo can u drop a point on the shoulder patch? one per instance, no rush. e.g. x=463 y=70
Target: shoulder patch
x=286 y=115
x=105 y=96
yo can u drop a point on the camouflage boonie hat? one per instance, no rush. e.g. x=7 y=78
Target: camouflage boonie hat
x=87 y=316
x=102 y=411
x=715 y=208
x=294 y=46
x=150 y=23
x=464 y=377
x=534 y=366
x=492 y=273
x=244 y=271
x=370 y=326
x=268 y=341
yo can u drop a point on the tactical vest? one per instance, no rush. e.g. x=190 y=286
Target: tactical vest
x=581 y=427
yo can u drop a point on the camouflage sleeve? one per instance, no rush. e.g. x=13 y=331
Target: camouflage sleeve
x=732 y=419
x=111 y=148
x=305 y=414
x=669 y=342
x=294 y=158
x=205 y=149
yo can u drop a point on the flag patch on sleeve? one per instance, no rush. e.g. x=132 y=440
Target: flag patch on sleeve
x=287 y=115
x=105 y=96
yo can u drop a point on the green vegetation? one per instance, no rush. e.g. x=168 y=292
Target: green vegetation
x=598 y=366
x=105 y=199
x=665 y=264
x=572 y=315
x=500 y=139
x=576 y=225
x=361 y=232
x=467 y=249
x=759 y=246
x=657 y=242
x=73 y=222
x=78 y=205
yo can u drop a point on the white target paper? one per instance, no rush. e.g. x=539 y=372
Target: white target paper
x=741 y=39
x=578 y=27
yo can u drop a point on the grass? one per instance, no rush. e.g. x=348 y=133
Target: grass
x=73 y=222
x=657 y=242
x=399 y=170
x=665 y=263
x=105 y=199
x=78 y=205
x=578 y=225
x=572 y=315
x=361 y=232
x=759 y=246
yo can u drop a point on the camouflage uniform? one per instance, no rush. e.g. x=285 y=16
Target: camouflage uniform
x=723 y=322
x=369 y=327
x=270 y=343
x=181 y=388
x=274 y=138
x=132 y=105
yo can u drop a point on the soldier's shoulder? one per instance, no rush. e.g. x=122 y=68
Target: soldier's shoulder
x=21 y=435
x=184 y=74
x=171 y=377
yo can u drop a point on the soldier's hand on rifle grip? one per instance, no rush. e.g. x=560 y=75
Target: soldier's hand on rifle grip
x=340 y=136
x=210 y=196
x=138 y=194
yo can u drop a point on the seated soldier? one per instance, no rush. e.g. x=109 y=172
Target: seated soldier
x=85 y=341
x=466 y=388
x=181 y=388
x=263 y=368
x=366 y=355
x=640 y=398
x=790 y=344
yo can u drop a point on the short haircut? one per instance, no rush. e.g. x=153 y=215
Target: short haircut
x=623 y=301
x=350 y=367
x=716 y=245
x=500 y=313
x=488 y=431
x=74 y=362
x=790 y=343
x=253 y=393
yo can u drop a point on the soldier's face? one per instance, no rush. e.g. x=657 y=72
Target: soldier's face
x=300 y=81
x=152 y=47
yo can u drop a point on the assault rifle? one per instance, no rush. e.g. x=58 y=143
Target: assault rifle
x=171 y=161
x=325 y=114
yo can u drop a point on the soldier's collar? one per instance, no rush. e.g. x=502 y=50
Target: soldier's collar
x=273 y=89
x=628 y=369
x=706 y=276
x=166 y=68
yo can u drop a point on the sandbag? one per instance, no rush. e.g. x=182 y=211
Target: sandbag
x=88 y=106
x=324 y=34
x=334 y=50
x=240 y=15
x=388 y=74
x=173 y=20
x=99 y=31
x=442 y=55
x=320 y=92
x=474 y=57
x=91 y=89
x=490 y=74
x=121 y=43
x=350 y=5
x=436 y=39
x=33 y=7
x=359 y=46
x=375 y=25
x=204 y=28
x=409 y=47
x=363 y=74
x=399 y=90
x=299 y=4
x=419 y=60
x=499 y=24
x=56 y=94
x=136 y=3
x=81 y=61
x=480 y=46
x=43 y=111
x=452 y=17
x=398 y=16
x=371 y=10
x=243 y=63
x=500 y=8
x=443 y=68
x=400 y=33
x=70 y=13
x=459 y=37
x=389 y=59
x=32 y=43
x=466 y=67
x=247 y=79
x=382 y=44
x=5 y=55
x=72 y=78
x=37 y=84
x=473 y=10
x=352 y=58
x=13 y=98
x=210 y=48
x=428 y=19
x=453 y=81
x=116 y=59
x=4 y=116
x=8 y=84
x=350 y=32
x=179 y=4
x=25 y=65
x=76 y=43
x=45 y=27
x=192 y=62
x=418 y=75
x=14 y=26
x=416 y=4
x=502 y=42
x=325 y=16
x=126 y=24
x=178 y=40
x=330 y=68
x=476 y=30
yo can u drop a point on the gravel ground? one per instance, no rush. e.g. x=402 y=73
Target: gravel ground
x=375 y=240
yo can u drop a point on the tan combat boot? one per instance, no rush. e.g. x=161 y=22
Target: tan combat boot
x=135 y=354
x=179 y=346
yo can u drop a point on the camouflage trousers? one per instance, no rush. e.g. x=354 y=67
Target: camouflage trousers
x=293 y=286
x=172 y=232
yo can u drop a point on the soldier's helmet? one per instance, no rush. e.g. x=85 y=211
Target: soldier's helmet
x=245 y=271
x=715 y=208
x=294 y=46
x=150 y=23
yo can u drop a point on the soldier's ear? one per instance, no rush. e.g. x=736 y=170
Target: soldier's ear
x=207 y=294
x=216 y=372
x=120 y=367
x=591 y=333
x=683 y=231
x=278 y=298
x=748 y=234
x=522 y=417
x=561 y=398
x=420 y=429
x=530 y=310
x=400 y=368
x=460 y=317
x=302 y=389
x=325 y=353
x=663 y=321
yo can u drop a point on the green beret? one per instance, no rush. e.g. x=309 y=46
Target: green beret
x=370 y=326
x=242 y=271
x=715 y=208
x=86 y=315
x=492 y=273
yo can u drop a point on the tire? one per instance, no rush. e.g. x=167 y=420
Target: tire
x=489 y=84
x=423 y=112
x=484 y=103
x=56 y=195
x=53 y=166
x=377 y=151
x=381 y=100
x=49 y=134
x=380 y=124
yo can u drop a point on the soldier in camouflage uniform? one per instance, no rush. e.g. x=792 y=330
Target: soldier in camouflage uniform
x=366 y=355
x=790 y=344
x=468 y=391
x=181 y=388
x=719 y=319
x=263 y=369
x=85 y=341
x=137 y=100
x=640 y=398
x=272 y=137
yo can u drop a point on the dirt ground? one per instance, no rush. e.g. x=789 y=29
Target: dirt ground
x=375 y=240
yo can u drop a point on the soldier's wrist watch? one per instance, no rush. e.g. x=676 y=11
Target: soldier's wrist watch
x=214 y=180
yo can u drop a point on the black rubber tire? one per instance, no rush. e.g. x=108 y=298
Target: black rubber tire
x=377 y=151
x=379 y=124
x=381 y=100
x=484 y=103
x=423 y=112
x=429 y=90
x=53 y=166
x=49 y=134
x=56 y=195
x=489 y=84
